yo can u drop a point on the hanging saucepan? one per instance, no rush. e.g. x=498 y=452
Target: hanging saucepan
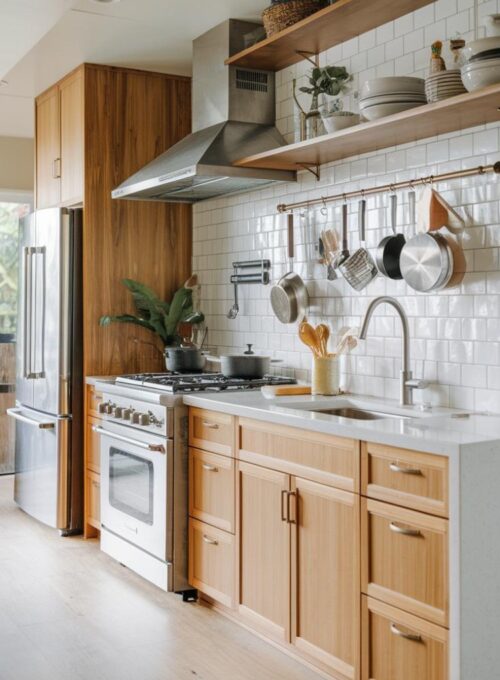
x=289 y=297
x=390 y=247
x=426 y=260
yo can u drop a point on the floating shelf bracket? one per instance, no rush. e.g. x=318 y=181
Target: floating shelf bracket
x=311 y=57
x=313 y=169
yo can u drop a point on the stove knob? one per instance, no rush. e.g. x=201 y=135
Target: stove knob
x=107 y=408
x=118 y=412
x=102 y=408
x=144 y=419
x=127 y=413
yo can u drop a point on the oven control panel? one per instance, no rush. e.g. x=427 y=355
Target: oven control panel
x=135 y=413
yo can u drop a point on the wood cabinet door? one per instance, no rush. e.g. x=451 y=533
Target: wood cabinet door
x=48 y=149
x=325 y=576
x=264 y=557
x=92 y=446
x=72 y=139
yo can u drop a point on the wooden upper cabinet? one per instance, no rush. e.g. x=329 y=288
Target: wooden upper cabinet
x=60 y=143
x=72 y=138
x=48 y=149
x=325 y=576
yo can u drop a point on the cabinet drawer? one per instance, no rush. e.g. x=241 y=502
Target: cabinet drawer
x=211 y=489
x=399 y=646
x=212 y=561
x=408 y=478
x=92 y=446
x=405 y=560
x=311 y=455
x=93 y=400
x=93 y=499
x=211 y=431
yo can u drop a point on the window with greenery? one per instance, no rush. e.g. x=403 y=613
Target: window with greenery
x=10 y=214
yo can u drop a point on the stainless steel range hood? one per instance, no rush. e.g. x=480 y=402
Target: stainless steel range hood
x=233 y=117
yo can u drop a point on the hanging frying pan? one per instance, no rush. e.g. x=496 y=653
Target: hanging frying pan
x=390 y=247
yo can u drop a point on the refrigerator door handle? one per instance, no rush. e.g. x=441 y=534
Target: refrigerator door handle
x=18 y=415
x=40 y=348
x=29 y=312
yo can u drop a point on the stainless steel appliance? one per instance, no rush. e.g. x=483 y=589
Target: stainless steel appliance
x=48 y=412
x=234 y=115
x=144 y=463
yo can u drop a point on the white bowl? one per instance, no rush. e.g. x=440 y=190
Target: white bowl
x=339 y=120
x=481 y=74
x=481 y=45
x=392 y=99
x=390 y=84
x=383 y=110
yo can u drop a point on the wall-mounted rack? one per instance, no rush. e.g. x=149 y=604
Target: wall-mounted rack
x=386 y=188
x=237 y=279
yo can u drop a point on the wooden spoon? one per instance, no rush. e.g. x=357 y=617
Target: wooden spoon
x=310 y=338
x=323 y=333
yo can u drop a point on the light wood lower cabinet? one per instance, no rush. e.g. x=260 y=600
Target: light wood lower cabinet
x=355 y=585
x=92 y=461
x=325 y=575
x=399 y=646
x=93 y=499
x=264 y=550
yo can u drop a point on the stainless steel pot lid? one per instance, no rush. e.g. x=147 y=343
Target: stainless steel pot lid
x=423 y=261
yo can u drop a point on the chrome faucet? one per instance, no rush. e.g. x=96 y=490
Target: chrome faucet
x=408 y=384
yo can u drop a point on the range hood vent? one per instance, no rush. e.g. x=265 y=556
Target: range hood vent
x=233 y=117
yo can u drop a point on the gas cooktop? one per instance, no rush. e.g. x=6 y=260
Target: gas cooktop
x=199 y=382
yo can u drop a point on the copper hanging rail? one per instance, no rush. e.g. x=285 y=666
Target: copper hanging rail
x=395 y=186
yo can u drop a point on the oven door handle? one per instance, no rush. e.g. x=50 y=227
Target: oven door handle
x=155 y=448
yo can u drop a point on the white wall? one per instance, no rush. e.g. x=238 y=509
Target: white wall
x=455 y=334
x=16 y=163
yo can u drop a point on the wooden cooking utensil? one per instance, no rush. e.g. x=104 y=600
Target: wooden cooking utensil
x=309 y=337
x=323 y=333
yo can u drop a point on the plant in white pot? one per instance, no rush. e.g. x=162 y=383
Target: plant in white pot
x=325 y=85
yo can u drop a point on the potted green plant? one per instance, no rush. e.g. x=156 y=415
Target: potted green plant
x=156 y=315
x=327 y=83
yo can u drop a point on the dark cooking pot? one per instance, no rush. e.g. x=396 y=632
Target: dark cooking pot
x=184 y=359
x=247 y=365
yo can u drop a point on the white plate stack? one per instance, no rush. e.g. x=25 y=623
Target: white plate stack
x=483 y=63
x=382 y=97
x=443 y=85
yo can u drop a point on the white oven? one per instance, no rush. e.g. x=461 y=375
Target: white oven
x=136 y=488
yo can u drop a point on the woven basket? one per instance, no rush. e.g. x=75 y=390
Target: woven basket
x=284 y=14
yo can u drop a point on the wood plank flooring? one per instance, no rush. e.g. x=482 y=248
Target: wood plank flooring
x=69 y=612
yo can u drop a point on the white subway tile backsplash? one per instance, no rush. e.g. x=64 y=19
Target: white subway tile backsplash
x=455 y=333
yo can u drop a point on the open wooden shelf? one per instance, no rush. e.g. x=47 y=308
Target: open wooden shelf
x=330 y=26
x=457 y=113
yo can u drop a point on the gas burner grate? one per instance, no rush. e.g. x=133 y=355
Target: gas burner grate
x=200 y=382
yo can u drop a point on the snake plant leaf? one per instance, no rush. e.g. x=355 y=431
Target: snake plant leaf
x=194 y=317
x=145 y=299
x=182 y=302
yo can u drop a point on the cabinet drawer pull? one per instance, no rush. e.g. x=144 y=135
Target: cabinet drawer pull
x=291 y=494
x=406 y=531
x=284 y=506
x=394 y=467
x=211 y=426
x=210 y=468
x=407 y=636
x=210 y=541
x=56 y=168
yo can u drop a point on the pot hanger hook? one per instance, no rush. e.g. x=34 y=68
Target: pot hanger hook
x=392 y=189
x=324 y=209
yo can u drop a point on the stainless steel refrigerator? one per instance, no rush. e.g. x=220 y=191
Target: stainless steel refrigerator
x=49 y=382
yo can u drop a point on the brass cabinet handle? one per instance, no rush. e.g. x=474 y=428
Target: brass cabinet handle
x=407 y=636
x=211 y=426
x=291 y=494
x=394 y=467
x=210 y=541
x=210 y=468
x=406 y=531
x=284 y=506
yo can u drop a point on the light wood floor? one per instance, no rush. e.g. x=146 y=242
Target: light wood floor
x=68 y=612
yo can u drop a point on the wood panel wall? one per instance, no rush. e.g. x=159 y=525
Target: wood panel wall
x=131 y=117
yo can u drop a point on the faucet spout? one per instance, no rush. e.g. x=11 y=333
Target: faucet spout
x=406 y=390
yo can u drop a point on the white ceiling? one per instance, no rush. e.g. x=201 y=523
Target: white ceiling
x=148 y=34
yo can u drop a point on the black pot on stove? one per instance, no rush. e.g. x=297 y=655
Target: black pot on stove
x=184 y=359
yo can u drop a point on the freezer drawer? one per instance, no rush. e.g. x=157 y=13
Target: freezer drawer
x=42 y=456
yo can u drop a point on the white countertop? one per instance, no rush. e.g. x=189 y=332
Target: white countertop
x=439 y=431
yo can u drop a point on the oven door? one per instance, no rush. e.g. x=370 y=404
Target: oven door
x=136 y=478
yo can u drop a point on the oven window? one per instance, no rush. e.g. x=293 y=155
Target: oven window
x=131 y=484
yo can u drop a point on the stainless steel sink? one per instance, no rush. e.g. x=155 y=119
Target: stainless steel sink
x=359 y=413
